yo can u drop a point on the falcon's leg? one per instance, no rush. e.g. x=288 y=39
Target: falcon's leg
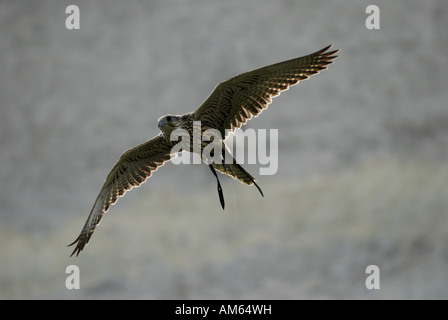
x=224 y=166
x=221 y=196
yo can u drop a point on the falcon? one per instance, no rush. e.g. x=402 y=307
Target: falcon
x=230 y=105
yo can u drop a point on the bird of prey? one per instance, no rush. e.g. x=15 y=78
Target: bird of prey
x=230 y=105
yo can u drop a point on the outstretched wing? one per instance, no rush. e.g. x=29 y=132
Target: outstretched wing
x=131 y=170
x=235 y=101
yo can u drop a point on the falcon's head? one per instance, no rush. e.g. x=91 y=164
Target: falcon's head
x=169 y=123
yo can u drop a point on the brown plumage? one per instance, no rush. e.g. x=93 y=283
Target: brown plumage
x=231 y=104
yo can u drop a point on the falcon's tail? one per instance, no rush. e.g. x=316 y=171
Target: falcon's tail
x=236 y=171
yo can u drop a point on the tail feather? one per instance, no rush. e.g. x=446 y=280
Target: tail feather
x=236 y=171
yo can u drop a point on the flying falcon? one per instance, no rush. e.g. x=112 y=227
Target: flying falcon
x=231 y=104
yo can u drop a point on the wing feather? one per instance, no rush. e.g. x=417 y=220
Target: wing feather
x=233 y=102
x=132 y=169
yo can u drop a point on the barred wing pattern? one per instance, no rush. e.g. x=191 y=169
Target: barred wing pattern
x=235 y=101
x=131 y=170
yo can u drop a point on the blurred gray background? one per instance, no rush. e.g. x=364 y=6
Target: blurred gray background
x=363 y=150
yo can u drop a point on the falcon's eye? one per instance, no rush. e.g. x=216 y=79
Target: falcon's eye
x=168 y=118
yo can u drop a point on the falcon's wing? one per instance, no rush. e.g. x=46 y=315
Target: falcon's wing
x=235 y=101
x=131 y=170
